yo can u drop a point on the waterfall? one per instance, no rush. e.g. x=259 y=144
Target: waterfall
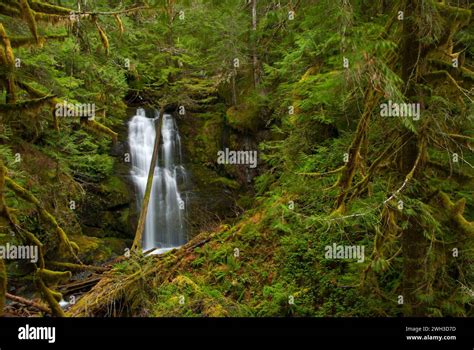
x=164 y=225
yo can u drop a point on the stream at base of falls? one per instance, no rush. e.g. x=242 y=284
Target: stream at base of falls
x=164 y=225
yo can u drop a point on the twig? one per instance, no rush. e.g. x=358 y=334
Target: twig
x=27 y=302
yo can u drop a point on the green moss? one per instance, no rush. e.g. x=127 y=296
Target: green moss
x=243 y=117
x=115 y=185
x=96 y=250
x=53 y=276
x=226 y=182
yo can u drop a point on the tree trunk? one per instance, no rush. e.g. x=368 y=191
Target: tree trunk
x=234 y=88
x=254 y=43
x=3 y=270
x=3 y=285
x=413 y=243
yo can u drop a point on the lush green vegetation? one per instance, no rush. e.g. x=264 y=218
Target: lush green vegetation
x=304 y=82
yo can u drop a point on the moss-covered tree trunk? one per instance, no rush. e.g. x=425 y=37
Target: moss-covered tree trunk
x=254 y=44
x=3 y=270
x=413 y=243
x=3 y=285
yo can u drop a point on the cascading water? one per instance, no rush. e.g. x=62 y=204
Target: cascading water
x=164 y=225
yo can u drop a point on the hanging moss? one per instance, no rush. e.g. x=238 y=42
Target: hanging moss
x=103 y=37
x=89 y=124
x=119 y=23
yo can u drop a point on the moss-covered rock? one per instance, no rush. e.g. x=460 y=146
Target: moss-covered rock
x=93 y=250
x=243 y=117
x=106 y=212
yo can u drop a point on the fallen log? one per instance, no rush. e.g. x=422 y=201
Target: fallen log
x=80 y=285
x=113 y=287
x=76 y=267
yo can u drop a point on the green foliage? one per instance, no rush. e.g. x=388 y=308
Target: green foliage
x=81 y=155
x=320 y=82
